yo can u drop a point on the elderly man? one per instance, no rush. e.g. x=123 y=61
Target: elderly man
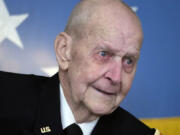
x=97 y=56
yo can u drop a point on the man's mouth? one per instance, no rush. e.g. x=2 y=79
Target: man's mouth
x=104 y=92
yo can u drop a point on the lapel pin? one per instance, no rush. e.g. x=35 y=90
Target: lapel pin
x=45 y=129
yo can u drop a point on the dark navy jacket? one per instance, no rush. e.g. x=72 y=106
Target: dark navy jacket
x=30 y=105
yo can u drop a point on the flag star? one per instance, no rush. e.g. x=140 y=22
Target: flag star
x=8 y=25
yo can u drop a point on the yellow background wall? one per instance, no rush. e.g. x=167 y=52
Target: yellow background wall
x=167 y=126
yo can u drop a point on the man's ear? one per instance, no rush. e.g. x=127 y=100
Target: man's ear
x=63 y=45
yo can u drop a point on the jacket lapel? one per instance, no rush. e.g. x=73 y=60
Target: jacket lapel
x=48 y=115
x=104 y=126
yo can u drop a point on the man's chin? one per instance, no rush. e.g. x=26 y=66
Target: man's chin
x=100 y=111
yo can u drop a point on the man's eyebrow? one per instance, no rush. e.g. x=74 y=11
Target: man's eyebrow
x=107 y=47
x=133 y=54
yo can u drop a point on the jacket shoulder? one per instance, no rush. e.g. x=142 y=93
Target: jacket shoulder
x=129 y=123
x=15 y=86
x=20 y=82
x=9 y=76
x=121 y=122
x=19 y=99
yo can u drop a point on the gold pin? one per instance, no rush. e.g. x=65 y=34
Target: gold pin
x=45 y=129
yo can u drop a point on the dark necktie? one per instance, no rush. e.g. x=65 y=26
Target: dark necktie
x=73 y=129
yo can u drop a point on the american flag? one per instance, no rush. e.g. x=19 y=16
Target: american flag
x=28 y=29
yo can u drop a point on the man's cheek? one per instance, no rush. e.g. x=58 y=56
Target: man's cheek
x=126 y=85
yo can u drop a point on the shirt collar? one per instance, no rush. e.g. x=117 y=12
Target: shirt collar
x=67 y=116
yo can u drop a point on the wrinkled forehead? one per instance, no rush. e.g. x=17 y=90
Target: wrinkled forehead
x=114 y=22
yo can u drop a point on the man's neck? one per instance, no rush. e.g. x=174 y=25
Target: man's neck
x=68 y=118
x=81 y=114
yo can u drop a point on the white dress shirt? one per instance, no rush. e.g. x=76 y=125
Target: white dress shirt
x=67 y=117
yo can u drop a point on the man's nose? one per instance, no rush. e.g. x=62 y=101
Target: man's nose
x=114 y=73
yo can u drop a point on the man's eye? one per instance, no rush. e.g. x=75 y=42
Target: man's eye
x=103 y=53
x=103 y=56
x=129 y=61
x=128 y=64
